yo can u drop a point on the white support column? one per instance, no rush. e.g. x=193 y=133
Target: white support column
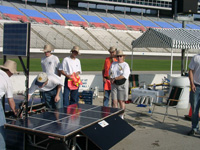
x=132 y=61
x=171 y=62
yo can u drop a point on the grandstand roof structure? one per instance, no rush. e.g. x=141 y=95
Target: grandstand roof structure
x=177 y=38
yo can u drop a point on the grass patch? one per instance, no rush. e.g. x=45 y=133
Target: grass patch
x=97 y=64
x=154 y=65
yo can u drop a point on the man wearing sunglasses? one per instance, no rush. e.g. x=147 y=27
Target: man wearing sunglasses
x=119 y=75
x=105 y=73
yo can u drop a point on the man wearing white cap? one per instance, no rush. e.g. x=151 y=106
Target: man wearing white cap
x=7 y=70
x=69 y=66
x=51 y=85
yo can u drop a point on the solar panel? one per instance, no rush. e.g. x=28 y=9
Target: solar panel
x=65 y=121
x=63 y=127
x=15 y=39
x=18 y=100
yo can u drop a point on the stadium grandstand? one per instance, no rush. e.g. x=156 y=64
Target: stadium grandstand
x=93 y=25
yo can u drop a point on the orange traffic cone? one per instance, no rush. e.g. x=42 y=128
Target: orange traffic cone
x=190 y=112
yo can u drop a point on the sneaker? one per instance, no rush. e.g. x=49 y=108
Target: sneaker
x=192 y=132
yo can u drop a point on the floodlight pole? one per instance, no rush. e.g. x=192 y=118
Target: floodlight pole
x=106 y=10
x=87 y=8
x=183 y=54
x=67 y=6
x=46 y=4
x=124 y=12
x=25 y=3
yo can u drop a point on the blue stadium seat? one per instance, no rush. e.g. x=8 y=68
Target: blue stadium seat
x=111 y=20
x=13 y=13
x=92 y=19
x=35 y=15
x=75 y=19
x=72 y=17
x=115 y=23
x=54 y=16
x=163 y=24
x=129 y=22
x=177 y=25
x=132 y=24
x=148 y=23
x=9 y=10
x=95 y=21
x=32 y=13
x=192 y=26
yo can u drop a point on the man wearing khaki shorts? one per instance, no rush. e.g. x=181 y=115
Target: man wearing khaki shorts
x=119 y=74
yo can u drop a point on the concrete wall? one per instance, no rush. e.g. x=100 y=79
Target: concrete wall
x=89 y=81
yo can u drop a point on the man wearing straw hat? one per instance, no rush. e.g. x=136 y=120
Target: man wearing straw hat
x=7 y=70
x=50 y=63
x=119 y=75
x=105 y=72
x=70 y=65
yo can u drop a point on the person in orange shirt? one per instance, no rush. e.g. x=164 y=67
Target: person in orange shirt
x=105 y=73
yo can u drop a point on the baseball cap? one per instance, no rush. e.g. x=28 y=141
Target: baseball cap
x=41 y=79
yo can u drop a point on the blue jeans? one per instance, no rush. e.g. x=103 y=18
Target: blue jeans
x=2 y=130
x=49 y=97
x=195 y=104
x=74 y=96
x=106 y=98
x=42 y=97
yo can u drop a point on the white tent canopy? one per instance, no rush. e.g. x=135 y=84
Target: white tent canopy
x=177 y=38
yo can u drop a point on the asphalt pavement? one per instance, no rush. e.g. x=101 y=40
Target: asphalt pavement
x=151 y=133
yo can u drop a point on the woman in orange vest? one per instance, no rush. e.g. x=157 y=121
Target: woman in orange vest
x=105 y=73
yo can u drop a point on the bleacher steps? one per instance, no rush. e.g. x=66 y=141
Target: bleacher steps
x=128 y=47
x=44 y=39
x=81 y=39
x=63 y=35
x=98 y=41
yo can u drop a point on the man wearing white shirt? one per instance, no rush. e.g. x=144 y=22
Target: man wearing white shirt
x=69 y=66
x=194 y=77
x=119 y=75
x=50 y=63
x=51 y=85
x=8 y=69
